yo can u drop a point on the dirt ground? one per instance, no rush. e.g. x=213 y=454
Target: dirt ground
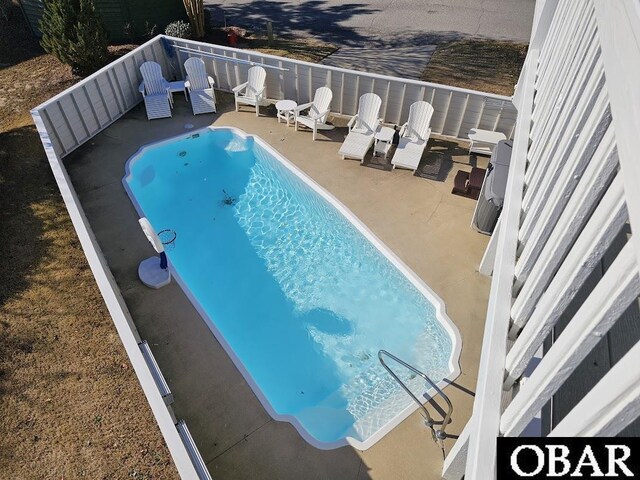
x=70 y=403
x=305 y=50
x=484 y=65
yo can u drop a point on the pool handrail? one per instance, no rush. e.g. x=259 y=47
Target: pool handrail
x=439 y=435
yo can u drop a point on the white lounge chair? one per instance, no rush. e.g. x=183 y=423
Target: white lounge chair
x=200 y=87
x=155 y=91
x=252 y=91
x=362 y=128
x=414 y=136
x=316 y=117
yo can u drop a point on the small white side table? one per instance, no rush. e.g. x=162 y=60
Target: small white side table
x=178 y=87
x=484 y=141
x=384 y=139
x=285 y=110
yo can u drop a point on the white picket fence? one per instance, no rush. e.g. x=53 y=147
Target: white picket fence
x=572 y=191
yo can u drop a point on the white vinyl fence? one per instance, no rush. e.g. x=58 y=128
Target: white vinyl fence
x=456 y=110
x=77 y=114
x=572 y=194
x=80 y=112
x=64 y=123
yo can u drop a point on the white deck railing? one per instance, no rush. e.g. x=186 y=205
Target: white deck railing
x=572 y=193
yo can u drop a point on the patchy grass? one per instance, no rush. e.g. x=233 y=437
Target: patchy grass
x=485 y=65
x=72 y=404
x=305 y=49
x=298 y=49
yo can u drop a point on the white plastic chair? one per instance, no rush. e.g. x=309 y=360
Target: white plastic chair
x=155 y=91
x=414 y=136
x=362 y=128
x=200 y=87
x=252 y=91
x=316 y=117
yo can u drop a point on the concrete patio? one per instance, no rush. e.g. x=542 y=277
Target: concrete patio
x=418 y=218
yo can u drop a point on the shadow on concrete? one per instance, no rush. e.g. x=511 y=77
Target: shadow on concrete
x=461 y=388
x=439 y=158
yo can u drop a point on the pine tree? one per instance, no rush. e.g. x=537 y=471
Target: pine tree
x=73 y=31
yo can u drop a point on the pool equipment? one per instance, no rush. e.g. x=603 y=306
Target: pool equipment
x=153 y=271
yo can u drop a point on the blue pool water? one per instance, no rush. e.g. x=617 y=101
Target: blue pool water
x=299 y=296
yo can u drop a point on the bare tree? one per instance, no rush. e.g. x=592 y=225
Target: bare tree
x=195 y=12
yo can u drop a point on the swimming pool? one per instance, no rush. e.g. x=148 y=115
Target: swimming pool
x=297 y=290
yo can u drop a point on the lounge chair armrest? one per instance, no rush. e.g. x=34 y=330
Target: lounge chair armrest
x=141 y=88
x=187 y=84
x=403 y=129
x=352 y=122
x=302 y=107
x=319 y=115
x=240 y=87
x=261 y=91
x=211 y=81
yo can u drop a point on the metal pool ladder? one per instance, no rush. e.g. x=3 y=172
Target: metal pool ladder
x=438 y=434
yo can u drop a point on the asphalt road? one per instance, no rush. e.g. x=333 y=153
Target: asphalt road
x=382 y=32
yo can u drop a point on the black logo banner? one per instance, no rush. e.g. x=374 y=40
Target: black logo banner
x=576 y=458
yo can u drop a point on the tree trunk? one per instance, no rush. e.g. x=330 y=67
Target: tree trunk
x=195 y=12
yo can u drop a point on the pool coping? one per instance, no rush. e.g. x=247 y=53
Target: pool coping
x=434 y=299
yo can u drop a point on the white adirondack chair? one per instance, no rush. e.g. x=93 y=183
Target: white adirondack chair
x=252 y=91
x=155 y=91
x=316 y=117
x=414 y=136
x=200 y=87
x=362 y=128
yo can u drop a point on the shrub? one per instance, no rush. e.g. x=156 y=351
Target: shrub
x=73 y=31
x=178 y=29
x=149 y=30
